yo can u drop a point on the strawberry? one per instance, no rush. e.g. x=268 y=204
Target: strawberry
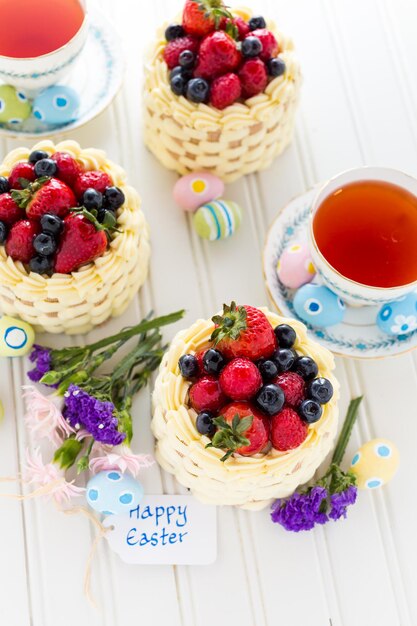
x=206 y=395
x=288 y=431
x=174 y=48
x=9 y=211
x=293 y=387
x=45 y=195
x=225 y=90
x=80 y=243
x=19 y=244
x=201 y=17
x=218 y=55
x=21 y=172
x=243 y=331
x=68 y=168
x=270 y=47
x=240 y=429
x=93 y=179
x=242 y=27
x=253 y=77
x=240 y=379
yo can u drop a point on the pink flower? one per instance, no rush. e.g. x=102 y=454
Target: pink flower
x=43 y=417
x=120 y=458
x=50 y=479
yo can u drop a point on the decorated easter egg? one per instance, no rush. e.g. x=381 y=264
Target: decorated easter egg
x=197 y=188
x=218 y=219
x=295 y=267
x=113 y=493
x=56 y=105
x=399 y=317
x=14 y=106
x=375 y=463
x=318 y=306
x=16 y=337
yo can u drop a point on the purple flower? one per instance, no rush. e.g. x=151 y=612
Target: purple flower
x=301 y=511
x=85 y=411
x=41 y=357
x=341 y=500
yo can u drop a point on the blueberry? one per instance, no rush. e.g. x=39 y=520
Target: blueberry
x=251 y=46
x=188 y=365
x=187 y=74
x=320 y=390
x=178 y=84
x=257 y=22
x=268 y=369
x=213 y=361
x=310 y=411
x=92 y=199
x=3 y=233
x=204 y=423
x=4 y=184
x=270 y=399
x=44 y=244
x=284 y=359
x=198 y=90
x=305 y=367
x=37 y=155
x=40 y=265
x=276 y=67
x=46 y=167
x=285 y=335
x=186 y=59
x=174 y=31
x=113 y=198
x=52 y=224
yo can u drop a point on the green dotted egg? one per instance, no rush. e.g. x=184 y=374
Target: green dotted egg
x=217 y=219
x=14 y=106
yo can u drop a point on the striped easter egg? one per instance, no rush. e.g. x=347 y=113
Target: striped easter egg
x=217 y=219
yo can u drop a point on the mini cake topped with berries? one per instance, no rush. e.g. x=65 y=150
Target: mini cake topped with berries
x=245 y=407
x=221 y=90
x=74 y=244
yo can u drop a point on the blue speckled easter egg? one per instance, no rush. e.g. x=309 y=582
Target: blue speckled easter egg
x=14 y=106
x=318 y=306
x=113 y=493
x=56 y=105
x=16 y=337
x=399 y=317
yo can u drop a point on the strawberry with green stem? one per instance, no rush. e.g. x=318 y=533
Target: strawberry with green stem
x=201 y=17
x=45 y=195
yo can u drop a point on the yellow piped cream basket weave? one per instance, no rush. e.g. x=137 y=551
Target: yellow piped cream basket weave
x=75 y=303
x=248 y=482
x=238 y=140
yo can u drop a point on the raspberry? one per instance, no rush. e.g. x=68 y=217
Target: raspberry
x=93 y=179
x=218 y=55
x=270 y=47
x=253 y=77
x=293 y=387
x=225 y=90
x=21 y=170
x=206 y=395
x=288 y=431
x=240 y=379
x=174 y=48
x=68 y=168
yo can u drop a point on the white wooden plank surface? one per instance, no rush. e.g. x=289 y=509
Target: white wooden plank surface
x=358 y=106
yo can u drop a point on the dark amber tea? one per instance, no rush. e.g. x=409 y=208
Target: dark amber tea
x=30 y=28
x=367 y=230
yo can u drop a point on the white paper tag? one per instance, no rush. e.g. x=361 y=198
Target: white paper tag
x=165 y=530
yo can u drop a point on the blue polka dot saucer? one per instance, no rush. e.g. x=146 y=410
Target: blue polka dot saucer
x=358 y=335
x=80 y=97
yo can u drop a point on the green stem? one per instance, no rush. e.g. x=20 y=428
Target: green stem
x=346 y=431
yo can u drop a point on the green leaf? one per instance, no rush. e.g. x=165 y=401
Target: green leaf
x=66 y=455
x=51 y=378
x=245 y=424
x=230 y=437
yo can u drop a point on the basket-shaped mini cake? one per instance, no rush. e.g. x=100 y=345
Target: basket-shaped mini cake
x=251 y=482
x=76 y=302
x=242 y=138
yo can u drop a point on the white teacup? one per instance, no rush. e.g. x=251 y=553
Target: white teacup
x=350 y=291
x=33 y=74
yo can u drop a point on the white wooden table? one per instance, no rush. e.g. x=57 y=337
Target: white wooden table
x=359 y=103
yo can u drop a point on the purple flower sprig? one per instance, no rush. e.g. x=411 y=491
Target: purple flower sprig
x=330 y=497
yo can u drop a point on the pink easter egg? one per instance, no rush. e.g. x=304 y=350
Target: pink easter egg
x=295 y=267
x=195 y=189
